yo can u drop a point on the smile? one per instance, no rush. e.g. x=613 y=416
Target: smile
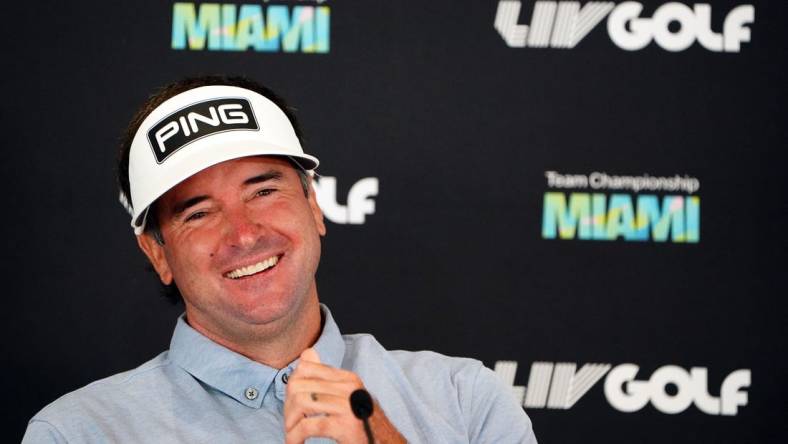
x=253 y=269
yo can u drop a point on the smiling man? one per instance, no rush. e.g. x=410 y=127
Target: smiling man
x=222 y=205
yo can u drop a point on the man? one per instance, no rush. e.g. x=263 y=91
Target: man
x=222 y=205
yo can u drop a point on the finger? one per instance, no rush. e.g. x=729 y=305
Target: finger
x=304 y=405
x=340 y=429
x=312 y=370
x=336 y=388
x=310 y=355
x=315 y=426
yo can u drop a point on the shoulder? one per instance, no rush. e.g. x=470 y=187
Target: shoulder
x=105 y=398
x=434 y=377
x=366 y=349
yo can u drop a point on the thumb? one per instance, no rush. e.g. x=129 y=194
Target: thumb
x=310 y=355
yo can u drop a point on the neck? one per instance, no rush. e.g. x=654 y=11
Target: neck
x=275 y=344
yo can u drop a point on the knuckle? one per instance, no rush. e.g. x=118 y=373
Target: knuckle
x=322 y=427
x=293 y=384
x=298 y=398
x=353 y=386
x=354 y=378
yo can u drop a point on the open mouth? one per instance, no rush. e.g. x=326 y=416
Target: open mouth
x=251 y=270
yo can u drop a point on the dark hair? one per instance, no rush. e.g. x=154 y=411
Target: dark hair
x=164 y=93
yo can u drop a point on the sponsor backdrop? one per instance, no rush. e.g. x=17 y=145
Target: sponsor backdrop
x=587 y=196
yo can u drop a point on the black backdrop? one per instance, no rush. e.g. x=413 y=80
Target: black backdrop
x=459 y=130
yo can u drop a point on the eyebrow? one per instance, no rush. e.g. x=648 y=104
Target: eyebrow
x=270 y=175
x=181 y=206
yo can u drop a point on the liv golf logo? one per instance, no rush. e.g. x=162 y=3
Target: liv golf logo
x=674 y=26
x=626 y=213
x=670 y=389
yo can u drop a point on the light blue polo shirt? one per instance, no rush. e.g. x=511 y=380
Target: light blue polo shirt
x=202 y=392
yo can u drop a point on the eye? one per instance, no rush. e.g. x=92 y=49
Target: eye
x=264 y=192
x=196 y=215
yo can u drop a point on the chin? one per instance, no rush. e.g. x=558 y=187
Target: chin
x=263 y=310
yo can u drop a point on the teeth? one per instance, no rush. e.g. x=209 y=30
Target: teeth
x=252 y=269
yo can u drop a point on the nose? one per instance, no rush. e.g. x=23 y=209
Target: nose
x=241 y=230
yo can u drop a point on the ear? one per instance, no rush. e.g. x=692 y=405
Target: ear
x=155 y=253
x=317 y=213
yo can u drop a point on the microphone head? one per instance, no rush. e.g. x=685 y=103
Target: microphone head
x=361 y=404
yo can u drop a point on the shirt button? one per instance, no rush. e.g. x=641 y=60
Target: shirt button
x=251 y=393
x=285 y=378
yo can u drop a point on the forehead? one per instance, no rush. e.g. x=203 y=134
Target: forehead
x=229 y=174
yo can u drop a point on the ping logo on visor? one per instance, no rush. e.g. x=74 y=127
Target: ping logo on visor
x=199 y=120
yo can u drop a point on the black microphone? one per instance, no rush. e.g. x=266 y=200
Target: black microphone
x=361 y=404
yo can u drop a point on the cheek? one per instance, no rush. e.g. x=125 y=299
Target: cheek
x=305 y=232
x=302 y=228
x=283 y=217
x=192 y=254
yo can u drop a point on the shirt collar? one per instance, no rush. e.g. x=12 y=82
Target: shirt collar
x=232 y=373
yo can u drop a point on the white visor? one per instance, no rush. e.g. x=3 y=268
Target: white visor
x=200 y=128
